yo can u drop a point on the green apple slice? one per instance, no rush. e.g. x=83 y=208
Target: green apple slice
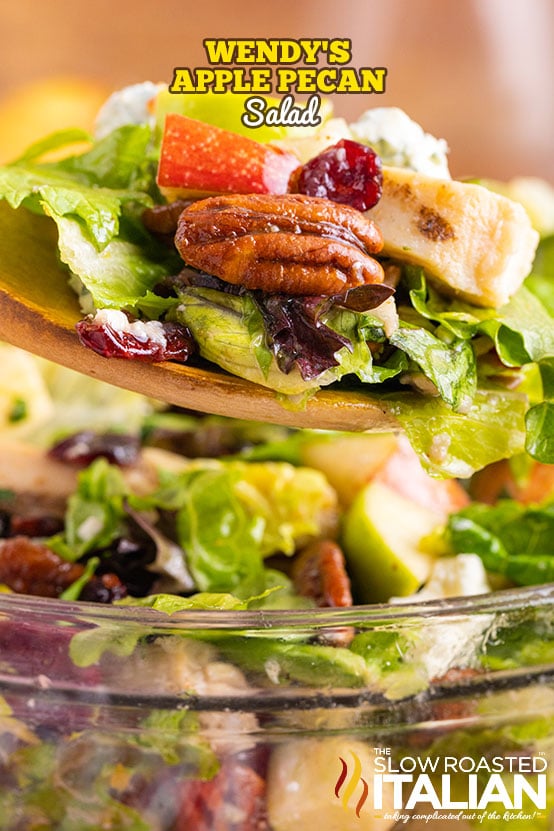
x=382 y=536
x=348 y=460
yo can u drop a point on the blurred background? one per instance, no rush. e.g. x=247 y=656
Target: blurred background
x=479 y=73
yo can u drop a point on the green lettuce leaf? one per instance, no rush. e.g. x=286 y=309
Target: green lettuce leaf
x=526 y=645
x=312 y=665
x=96 y=199
x=457 y=444
x=97 y=209
x=450 y=366
x=221 y=538
x=391 y=656
x=119 y=276
x=512 y=539
x=123 y=160
x=171 y=604
x=230 y=516
x=229 y=332
x=91 y=188
x=522 y=330
x=539 y=422
x=95 y=511
x=541 y=280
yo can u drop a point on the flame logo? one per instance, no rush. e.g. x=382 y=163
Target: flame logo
x=352 y=783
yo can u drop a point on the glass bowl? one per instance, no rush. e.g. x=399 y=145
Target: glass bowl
x=375 y=717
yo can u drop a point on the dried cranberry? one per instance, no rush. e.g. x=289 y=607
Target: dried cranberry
x=129 y=559
x=5 y=523
x=347 y=172
x=39 y=525
x=104 y=589
x=111 y=342
x=83 y=448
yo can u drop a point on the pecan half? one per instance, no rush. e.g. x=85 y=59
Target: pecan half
x=28 y=567
x=294 y=244
x=162 y=219
x=319 y=572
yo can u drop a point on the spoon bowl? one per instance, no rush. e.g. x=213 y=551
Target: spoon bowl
x=39 y=310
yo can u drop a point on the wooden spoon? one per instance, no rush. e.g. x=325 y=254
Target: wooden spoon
x=38 y=312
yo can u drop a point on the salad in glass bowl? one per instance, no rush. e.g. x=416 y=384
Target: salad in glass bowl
x=215 y=624
x=186 y=637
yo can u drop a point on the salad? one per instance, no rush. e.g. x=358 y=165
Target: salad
x=178 y=249
x=168 y=516
x=126 y=702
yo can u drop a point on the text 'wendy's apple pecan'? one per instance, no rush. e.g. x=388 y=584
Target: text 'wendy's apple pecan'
x=293 y=244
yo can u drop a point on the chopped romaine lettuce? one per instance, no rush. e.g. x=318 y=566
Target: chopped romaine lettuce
x=230 y=331
x=120 y=275
x=232 y=515
x=450 y=366
x=53 y=188
x=96 y=199
x=457 y=444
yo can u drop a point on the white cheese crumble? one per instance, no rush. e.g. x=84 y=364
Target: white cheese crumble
x=89 y=528
x=131 y=105
x=401 y=142
x=451 y=643
x=460 y=576
x=150 y=330
x=388 y=315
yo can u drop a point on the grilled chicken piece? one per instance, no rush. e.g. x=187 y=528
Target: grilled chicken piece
x=475 y=244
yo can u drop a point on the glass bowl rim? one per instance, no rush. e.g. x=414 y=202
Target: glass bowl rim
x=497 y=602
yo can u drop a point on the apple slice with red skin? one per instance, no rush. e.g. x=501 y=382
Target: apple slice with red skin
x=403 y=472
x=199 y=159
x=351 y=461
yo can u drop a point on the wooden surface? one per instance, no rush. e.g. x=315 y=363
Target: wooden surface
x=38 y=312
